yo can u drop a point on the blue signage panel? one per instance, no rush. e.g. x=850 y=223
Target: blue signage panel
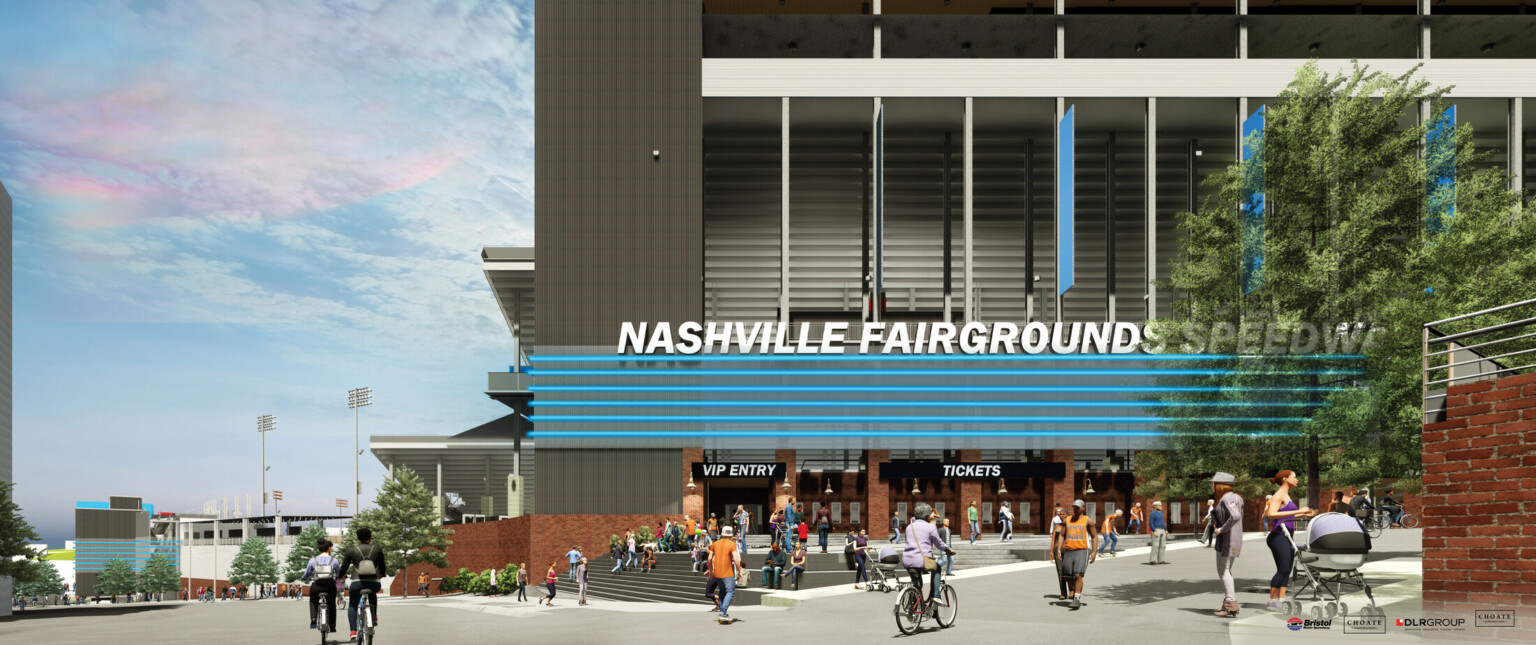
x=1253 y=201
x=1440 y=162
x=1065 y=193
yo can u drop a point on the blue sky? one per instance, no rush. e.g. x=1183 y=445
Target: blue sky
x=225 y=209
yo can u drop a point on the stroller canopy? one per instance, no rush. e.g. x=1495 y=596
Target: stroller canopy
x=1337 y=533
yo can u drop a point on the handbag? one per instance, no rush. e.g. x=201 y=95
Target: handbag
x=930 y=564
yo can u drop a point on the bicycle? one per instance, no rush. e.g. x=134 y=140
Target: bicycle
x=365 y=621
x=322 y=620
x=1381 y=520
x=911 y=611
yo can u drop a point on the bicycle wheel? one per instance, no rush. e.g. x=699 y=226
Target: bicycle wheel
x=908 y=610
x=948 y=608
x=1375 y=527
x=1408 y=521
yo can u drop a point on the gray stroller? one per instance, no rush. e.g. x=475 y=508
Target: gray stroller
x=885 y=570
x=1337 y=546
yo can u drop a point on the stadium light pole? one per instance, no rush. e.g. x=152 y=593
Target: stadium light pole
x=264 y=424
x=357 y=398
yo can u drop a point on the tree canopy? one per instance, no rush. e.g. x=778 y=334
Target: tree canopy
x=15 y=536
x=303 y=549
x=45 y=579
x=404 y=523
x=117 y=578
x=159 y=575
x=254 y=563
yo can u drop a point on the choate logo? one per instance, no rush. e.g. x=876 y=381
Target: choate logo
x=1494 y=618
x=1365 y=625
x=973 y=470
x=1298 y=624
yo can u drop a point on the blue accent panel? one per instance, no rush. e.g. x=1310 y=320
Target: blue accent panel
x=94 y=505
x=930 y=372
x=689 y=418
x=792 y=358
x=882 y=434
x=1066 y=187
x=1253 y=201
x=150 y=508
x=922 y=388
x=1440 y=172
x=921 y=404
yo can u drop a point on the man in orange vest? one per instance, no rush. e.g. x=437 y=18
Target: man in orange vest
x=1111 y=536
x=1073 y=544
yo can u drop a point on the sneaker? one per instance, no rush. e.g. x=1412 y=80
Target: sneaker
x=354 y=635
x=312 y=626
x=1274 y=605
x=1077 y=601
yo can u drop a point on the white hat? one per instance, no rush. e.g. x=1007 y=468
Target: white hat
x=726 y=532
x=1157 y=503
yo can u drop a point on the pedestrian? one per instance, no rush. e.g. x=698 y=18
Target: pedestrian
x=1111 y=537
x=848 y=553
x=796 y=565
x=743 y=521
x=773 y=525
x=861 y=559
x=973 y=514
x=1227 y=535
x=823 y=525
x=946 y=561
x=895 y=526
x=789 y=523
x=1061 y=516
x=549 y=584
x=1206 y=531
x=581 y=581
x=573 y=556
x=714 y=528
x=1283 y=512
x=803 y=531
x=1134 y=526
x=422 y=581
x=773 y=568
x=1159 y=539
x=725 y=566
x=689 y=526
x=1073 y=544
x=1005 y=517
x=631 y=552
x=522 y=582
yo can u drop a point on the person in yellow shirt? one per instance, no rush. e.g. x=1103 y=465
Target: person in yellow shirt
x=1072 y=544
x=1111 y=536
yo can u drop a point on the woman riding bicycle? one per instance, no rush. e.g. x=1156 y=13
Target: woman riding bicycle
x=919 y=554
x=322 y=569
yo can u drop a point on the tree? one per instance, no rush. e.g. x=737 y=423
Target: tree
x=254 y=563
x=117 y=578
x=1359 y=232
x=405 y=525
x=45 y=580
x=303 y=549
x=159 y=575
x=15 y=533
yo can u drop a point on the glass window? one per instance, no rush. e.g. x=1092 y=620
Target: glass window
x=853 y=512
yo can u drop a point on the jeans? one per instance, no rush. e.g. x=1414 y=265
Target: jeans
x=1111 y=542
x=522 y=591
x=1133 y=526
x=934 y=581
x=1396 y=512
x=946 y=564
x=1224 y=571
x=730 y=592
x=794 y=575
x=975 y=530
x=772 y=576
x=860 y=575
x=892 y=539
x=821 y=536
x=355 y=592
x=618 y=563
x=571 y=574
x=630 y=563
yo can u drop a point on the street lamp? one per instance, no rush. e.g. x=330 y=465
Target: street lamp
x=357 y=398
x=264 y=424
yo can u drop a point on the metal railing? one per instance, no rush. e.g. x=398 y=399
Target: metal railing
x=1502 y=343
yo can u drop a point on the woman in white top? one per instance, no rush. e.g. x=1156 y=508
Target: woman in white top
x=1007 y=517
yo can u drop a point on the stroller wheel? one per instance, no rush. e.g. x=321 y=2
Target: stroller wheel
x=1291 y=608
x=1343 y=609
x=1317 y=612
x=1332 y=609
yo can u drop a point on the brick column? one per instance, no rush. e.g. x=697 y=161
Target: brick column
x=693 y=503
x=970 y=490
x=877 y=500
x=1059 y=491
x=780 y=498
x=1480 y=503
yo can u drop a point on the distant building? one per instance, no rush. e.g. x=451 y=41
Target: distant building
x=116 y=529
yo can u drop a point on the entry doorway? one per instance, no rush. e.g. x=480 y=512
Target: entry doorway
x=721 y=497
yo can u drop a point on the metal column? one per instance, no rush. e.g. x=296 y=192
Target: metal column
x=784 y=210
x=1151 y=199
x=970 y=166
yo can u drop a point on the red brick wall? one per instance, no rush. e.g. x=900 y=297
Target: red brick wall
x=693 y=503
x=877 y=503
x=1480 y=500
x=1059 y=491
x=846 y=489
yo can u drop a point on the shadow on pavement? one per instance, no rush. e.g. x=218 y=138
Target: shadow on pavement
x=1150 y=591
x=87 y=610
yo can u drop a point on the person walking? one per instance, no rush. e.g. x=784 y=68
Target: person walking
x=630 y=544
x=1339 y=505
x=725 y=566
x=1134 y=526
x=743 y=522
x=573 y=556
x=823 y=525
x=1061 y=577
x=1207 y=530
x=949 y=558
x=972 y=514
x=1264 y=517
x=581 y=581
x=942 y=524
x=1073 y=544
x=895 y=525
x=618 y=558
x=1159 y=539
x=1283 y=512
x=773 y=567
x=861 y=559
x=550 y=577
x=1111 y=539
x=1227 y=535
x=803 y=532
x=1005 y=517
x=790 y=524
x=713 y=527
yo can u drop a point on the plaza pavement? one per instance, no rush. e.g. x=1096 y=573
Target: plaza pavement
x=1126 y=600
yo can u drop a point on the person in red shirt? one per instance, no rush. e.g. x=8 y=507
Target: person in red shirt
x=804 y=532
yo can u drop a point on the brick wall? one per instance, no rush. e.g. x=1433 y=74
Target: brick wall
x=1480 y=501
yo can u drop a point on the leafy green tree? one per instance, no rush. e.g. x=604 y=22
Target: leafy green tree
x=117 y=578
x=253 y=564
x=45 y=580
x=405 y=525
x=15 y=533
x=159 y=575
x=1352 y=236
x=303 y=549
x=506 y=580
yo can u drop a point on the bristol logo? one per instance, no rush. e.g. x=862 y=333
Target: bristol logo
x=1294 y=624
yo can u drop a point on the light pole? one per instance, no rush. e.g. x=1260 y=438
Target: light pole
x=357 y=398
x=264 y=424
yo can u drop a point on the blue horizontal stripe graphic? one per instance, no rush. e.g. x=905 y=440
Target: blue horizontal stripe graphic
x=671 y=418
x=921 y=388
x=919 y=404
x=853 y=434
x=127 y=542
x=795 y=358
x=932 y=372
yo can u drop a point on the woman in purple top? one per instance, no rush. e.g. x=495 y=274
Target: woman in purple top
x=923 y=541
x=1282 y=513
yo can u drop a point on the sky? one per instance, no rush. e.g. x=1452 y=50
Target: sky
x=224 y=209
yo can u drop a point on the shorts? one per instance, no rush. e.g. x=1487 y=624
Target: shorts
x=1074 y=562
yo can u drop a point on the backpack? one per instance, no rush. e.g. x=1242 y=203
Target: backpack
x=366 y=566
x=325 y=571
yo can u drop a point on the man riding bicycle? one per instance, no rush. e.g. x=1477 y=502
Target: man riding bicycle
x=919 y=553
x=369 y=560
x=1393 y=507
x=322 y=570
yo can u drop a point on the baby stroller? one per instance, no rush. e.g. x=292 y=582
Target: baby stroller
x=886 y=572
x=1337 y=546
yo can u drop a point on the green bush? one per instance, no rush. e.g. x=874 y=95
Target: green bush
x=644 y=535
x=613 y=542
x=478 y=583
x=456 y=582
x=506 y=580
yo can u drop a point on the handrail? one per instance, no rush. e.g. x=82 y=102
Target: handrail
x=1472 y=365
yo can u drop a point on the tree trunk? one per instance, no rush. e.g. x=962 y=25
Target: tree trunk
x=1314 y=478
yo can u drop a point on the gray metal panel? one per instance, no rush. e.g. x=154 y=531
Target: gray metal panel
x=103 y=524
x=609 y=481
x=619 y=234
x=5 y=334
x=125 y=503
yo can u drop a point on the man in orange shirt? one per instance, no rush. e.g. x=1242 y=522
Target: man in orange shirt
x=724 y=566
x=1073 y=544
x=690 y=527
x=1111 y=536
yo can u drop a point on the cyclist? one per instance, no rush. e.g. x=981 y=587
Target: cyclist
x=919 y=554
x=369 y=560
x=1392 y=507
x=1360 y=505
x=322 y=570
